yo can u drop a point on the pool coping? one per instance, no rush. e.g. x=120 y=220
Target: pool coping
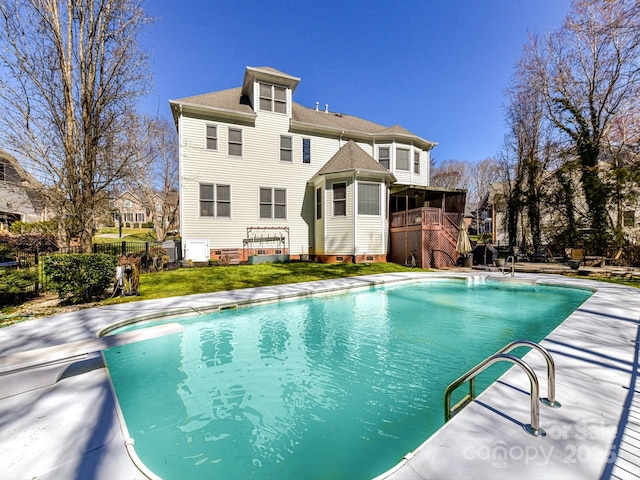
x=485 y=438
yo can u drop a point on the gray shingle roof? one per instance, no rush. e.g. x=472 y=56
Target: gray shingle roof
x=353 y=158
x=302 y=118
x=230 y=99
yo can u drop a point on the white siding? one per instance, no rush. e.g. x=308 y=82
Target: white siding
x=339 y=238
x=260 y=166
x=371 y=231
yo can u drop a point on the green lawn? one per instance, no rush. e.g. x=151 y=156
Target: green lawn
x=129 y=234
x=186 y=281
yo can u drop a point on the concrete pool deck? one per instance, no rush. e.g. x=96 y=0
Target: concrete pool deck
x=71 y=429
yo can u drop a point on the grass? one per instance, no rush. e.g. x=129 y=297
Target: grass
x=129 y=234
x=187 y=281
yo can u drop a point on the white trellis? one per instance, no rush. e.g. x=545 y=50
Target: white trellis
x=262 y=238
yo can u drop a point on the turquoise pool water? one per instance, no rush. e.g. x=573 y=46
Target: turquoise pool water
x=330 y=387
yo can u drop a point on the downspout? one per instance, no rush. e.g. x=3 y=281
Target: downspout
x=355 y=215
x=181 y=180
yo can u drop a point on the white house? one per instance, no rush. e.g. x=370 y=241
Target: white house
x=261 y=174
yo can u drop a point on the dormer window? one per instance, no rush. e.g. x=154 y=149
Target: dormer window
x=273 y=98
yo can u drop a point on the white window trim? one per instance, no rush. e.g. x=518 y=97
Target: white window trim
x=308 y=139
x=206 y=137
x=229 y=129
x=273 y=203
x=272 y=98
x=409 y=159
x=390 y=149
x=290 y=149
x=333 y=200
x=215 y=200
x=370 y=215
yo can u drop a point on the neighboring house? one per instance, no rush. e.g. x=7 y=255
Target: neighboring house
x=261 y=174
x=19 y=199
x=132 y=213
x=493 y=214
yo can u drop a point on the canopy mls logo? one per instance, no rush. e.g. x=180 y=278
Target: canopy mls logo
x=570 y=444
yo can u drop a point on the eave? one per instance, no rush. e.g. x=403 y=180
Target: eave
x=178 y=108
x=311 y=128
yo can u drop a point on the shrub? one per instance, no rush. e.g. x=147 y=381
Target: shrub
x=81 y=276
x=30 y=242
x=47 y=226
x=16 y=285
x=16 y=281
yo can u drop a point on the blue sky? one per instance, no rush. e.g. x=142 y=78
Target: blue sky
x=437 y=67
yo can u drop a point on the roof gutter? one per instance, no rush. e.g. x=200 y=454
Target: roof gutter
x=221 y=113
x=305 y=127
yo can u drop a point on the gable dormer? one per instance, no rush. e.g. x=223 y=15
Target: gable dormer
x=269 y=89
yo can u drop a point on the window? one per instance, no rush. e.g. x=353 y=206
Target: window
x=235 y=142
x=402 y=159
x=273 y=203
x=215 y=200
x=273 y=98
x=207 y=201
x=286 y=149
x=383 y=157
x=127 y=204
x=339 y=199
x=212 y=137
x=318 y=203
x=223 y=201
x=628 y=218
x=416 y=162
x=306 y=150
x=139 y=217
x=368 y=199
x=128 y=217
x=2 y=172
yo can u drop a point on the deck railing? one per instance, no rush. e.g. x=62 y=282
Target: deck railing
x=427 y=216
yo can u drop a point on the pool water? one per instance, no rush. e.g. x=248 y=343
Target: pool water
x=338 y=386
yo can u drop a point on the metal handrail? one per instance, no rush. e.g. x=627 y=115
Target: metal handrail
x=532 y=428
x=550 y=400
x=513 y=265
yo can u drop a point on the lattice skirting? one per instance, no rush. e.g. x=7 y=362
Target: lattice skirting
x=429 y=247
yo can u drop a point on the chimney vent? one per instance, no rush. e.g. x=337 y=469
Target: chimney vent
x=326 y=108
x=317 y=104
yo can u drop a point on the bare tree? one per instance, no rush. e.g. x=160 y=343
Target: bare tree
x=528 y=147
x=588 y=71
x=449 y=174
x=71 y=72
x=157 y=176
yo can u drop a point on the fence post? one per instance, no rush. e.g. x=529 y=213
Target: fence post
x=123 y=251
x=35 y=261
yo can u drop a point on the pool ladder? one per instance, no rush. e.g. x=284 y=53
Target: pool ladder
x=501 y=355
x=513 y=265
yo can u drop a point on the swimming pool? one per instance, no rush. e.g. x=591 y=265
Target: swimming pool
x=330 y=387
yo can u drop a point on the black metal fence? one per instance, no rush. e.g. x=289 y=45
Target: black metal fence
x=32 y=262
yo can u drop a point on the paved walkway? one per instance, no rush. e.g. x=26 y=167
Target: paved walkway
x=71 y=429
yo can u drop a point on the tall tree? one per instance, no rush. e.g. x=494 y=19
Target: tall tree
x=71 y=72
x=529 y=146
x=449 y=174
x=157 y=177
x=588 y=70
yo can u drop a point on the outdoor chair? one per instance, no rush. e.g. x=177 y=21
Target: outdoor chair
x=520 y=255
x=541 y=254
